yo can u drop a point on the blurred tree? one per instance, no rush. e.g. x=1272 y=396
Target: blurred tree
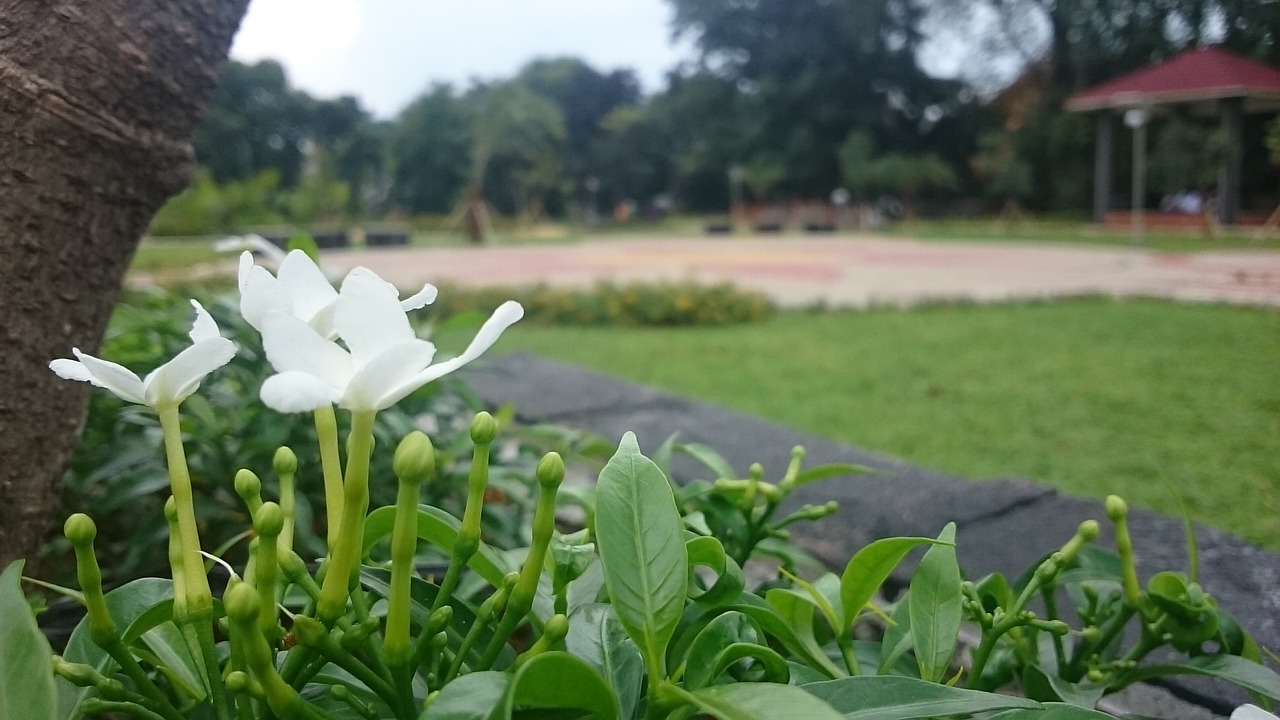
x=707 y=124
x=1187 y=156
x=98 y=104
x=907 y=176
x=519 y=138
x=810 y=71
x=1004 y=173
x=585 y=97
x=353 y=150
x=255 y=122
x=632 y=158
x=431 y=152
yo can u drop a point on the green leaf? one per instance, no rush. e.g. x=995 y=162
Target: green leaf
x=822 y=594
x=710 y=642
x=761 y=701
x=1045 y=687
x=1053 y=711
x=897 y=637
x=596 y=636
x=796 y=611
x=556 y=680
x=935 y=607
x=869 y=568
x=709 y=553
x=1245 y=673
x=646 y=566
x=711 y=459
x=440 y=529
x=888 y=697
x=822 y=472
x=143 y=608
x=471 y=697
x=27 y=687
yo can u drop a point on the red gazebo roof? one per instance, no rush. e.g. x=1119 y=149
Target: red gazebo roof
x=1207 y=73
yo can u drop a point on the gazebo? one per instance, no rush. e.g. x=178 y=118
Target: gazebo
x=1208 y=79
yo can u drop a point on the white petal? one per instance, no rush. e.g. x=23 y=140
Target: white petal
x=292 y=345
x=369 y=317
x=103 y=373
x=291 y=392
x=246 y=264
x=422 y=298
x=175 y=380
x=302 y=279
x=1251 y=712
x=204 y=327
x=390 y=375
x=506 y=315
x=323 y=323
x=261 y=293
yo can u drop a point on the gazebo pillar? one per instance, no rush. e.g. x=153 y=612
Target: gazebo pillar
x=1232 y=111
x=1102 y=166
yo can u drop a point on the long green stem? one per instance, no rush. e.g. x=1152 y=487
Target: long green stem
x=331 y=463
x=414 y=462
x=199 y=598
x=345 y=553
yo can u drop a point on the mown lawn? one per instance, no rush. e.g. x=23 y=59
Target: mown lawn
x=1092 y=396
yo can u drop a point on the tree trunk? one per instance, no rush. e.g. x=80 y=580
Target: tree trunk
x=99 y=100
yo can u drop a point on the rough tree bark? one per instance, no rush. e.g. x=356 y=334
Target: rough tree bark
x=98 y=103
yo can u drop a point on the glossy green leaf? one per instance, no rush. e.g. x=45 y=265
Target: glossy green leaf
x=869 y=568
x=595 y=635
x=772 y=623
x=711 y=459
x=825 y=596
x=1046 y=687
x=641 y=542
x=897 y=636
x=761 y=701
x=1245 y=673
x=470 y=697
x=440 y=529
x=822 y=472
x=1053 y=711
x=888 y=697
x=143 y=610
x=27 y=688
x=935 y=607
x=720 y=633
x=558 y=680
x=796 y=611
x=709 y=553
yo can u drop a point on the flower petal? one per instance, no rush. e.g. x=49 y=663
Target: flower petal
x=203 y=327
x=246 y=264
x=292 y=345
x=306 y=284
x=260 y=293
x=294 y=391
x=505 y=316
x=103 y=373
x=369 y=317
x=422 y=298
x=390 y=375
x=175 y=380
x=1251 y=712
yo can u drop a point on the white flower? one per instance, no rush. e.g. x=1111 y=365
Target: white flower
x=167 y=385
x=300 y=289
x=383 y=360
x=1251 y=712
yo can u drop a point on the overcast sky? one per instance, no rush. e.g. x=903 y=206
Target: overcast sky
x=387 y=52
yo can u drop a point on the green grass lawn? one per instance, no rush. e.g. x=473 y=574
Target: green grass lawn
x=1092 y=396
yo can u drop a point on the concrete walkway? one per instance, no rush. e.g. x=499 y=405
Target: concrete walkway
x=846 y=270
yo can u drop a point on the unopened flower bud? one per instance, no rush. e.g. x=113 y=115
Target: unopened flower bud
x=415 y=458
x=80 y=530
x=248 y=486
x=285 y=461
x=483 y=428
x=1116 y=508
x=550 y=470
x=268 y=521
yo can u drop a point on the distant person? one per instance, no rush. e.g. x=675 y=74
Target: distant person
x=1190 y=202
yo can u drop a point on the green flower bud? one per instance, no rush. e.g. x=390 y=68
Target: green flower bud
x=1096 y=675
x=550 y=470
x=80 y=530
x=242 y=603
x=268 y=521
x=171 y=510
x=237 y=681
x=483 y=428
x=415 y=458
x=1116 y=508
x=1088 y=530
x=249 y=488
x=309 y=631
x=556 y=629
x=285 y=461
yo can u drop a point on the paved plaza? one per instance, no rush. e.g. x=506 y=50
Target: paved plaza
x=846 y=270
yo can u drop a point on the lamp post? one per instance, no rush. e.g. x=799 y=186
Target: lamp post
x=1136 y=120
